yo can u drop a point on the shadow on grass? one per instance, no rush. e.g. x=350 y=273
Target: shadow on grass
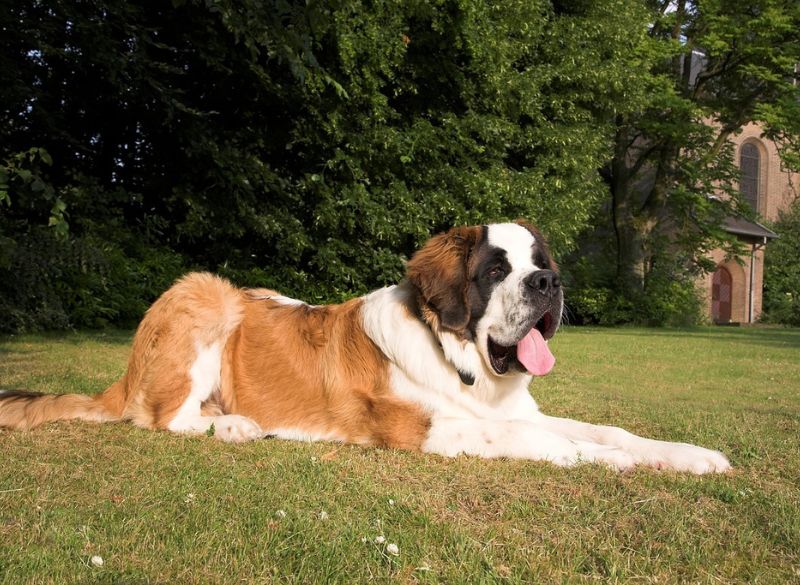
x=110 y=336
x=9 y=393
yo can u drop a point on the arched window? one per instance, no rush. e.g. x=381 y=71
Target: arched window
x=750 y=167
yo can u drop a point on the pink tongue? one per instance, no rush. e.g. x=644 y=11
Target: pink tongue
x=533 y=353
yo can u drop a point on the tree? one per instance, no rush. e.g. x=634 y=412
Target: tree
x=672 y=179
x=306 y=146
x=782 y=270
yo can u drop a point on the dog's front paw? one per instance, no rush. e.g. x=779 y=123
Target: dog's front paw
x=617 y=459
x=691 y=458
x=613 y=457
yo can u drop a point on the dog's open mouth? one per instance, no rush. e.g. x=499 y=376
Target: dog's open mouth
x=501 y=356
x=530 y=352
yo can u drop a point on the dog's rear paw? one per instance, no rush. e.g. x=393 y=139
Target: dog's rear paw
x=234 y=428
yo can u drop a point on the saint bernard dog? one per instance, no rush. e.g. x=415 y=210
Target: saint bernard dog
x=440 y=363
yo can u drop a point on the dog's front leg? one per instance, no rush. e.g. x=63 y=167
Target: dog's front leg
x=651 y=452
x=516 y=439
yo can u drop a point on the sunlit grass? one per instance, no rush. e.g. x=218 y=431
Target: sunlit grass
x=159 y=508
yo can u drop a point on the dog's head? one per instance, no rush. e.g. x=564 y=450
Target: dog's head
x=494 y=286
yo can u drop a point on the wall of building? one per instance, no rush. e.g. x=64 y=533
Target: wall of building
x=777 y=190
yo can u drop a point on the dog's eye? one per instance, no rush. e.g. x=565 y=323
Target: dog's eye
x=496 y=272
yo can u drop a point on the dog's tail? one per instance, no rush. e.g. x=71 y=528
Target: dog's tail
x=26 y=410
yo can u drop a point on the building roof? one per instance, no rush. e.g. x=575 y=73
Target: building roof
x=743 y=227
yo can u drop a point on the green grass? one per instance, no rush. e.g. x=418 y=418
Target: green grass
x=160 y=508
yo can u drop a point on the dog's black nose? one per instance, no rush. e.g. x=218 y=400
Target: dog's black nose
x=544 y=282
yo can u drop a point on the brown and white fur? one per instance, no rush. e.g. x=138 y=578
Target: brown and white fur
x=425 y=365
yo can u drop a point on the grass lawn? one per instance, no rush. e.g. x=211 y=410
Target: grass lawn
x=160 y=508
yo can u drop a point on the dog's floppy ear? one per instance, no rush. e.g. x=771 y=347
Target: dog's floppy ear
x=440 y=272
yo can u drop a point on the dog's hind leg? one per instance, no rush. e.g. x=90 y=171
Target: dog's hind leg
x=204 y=378
x=177 y=359
x=172 y=398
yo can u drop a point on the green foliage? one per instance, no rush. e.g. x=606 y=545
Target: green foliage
x=664 y=302
x=782 y=271
x=669 y=296
x=782 y=121
x=596 y=305
x=307 y=146
x=714 y=67
x=312 y=146
x=24 y=175
x=54 y=282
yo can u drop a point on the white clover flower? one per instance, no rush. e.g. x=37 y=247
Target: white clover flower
x=97 y=561
x=280 y=514
x=189 y=499
x=393 y=549
x=323 y=515
x=391 y=502
x=380 y=539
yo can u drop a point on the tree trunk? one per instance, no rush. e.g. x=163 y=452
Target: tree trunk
x=624 y=202
x=636 y=213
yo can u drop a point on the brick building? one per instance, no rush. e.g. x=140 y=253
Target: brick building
x=734 y=291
